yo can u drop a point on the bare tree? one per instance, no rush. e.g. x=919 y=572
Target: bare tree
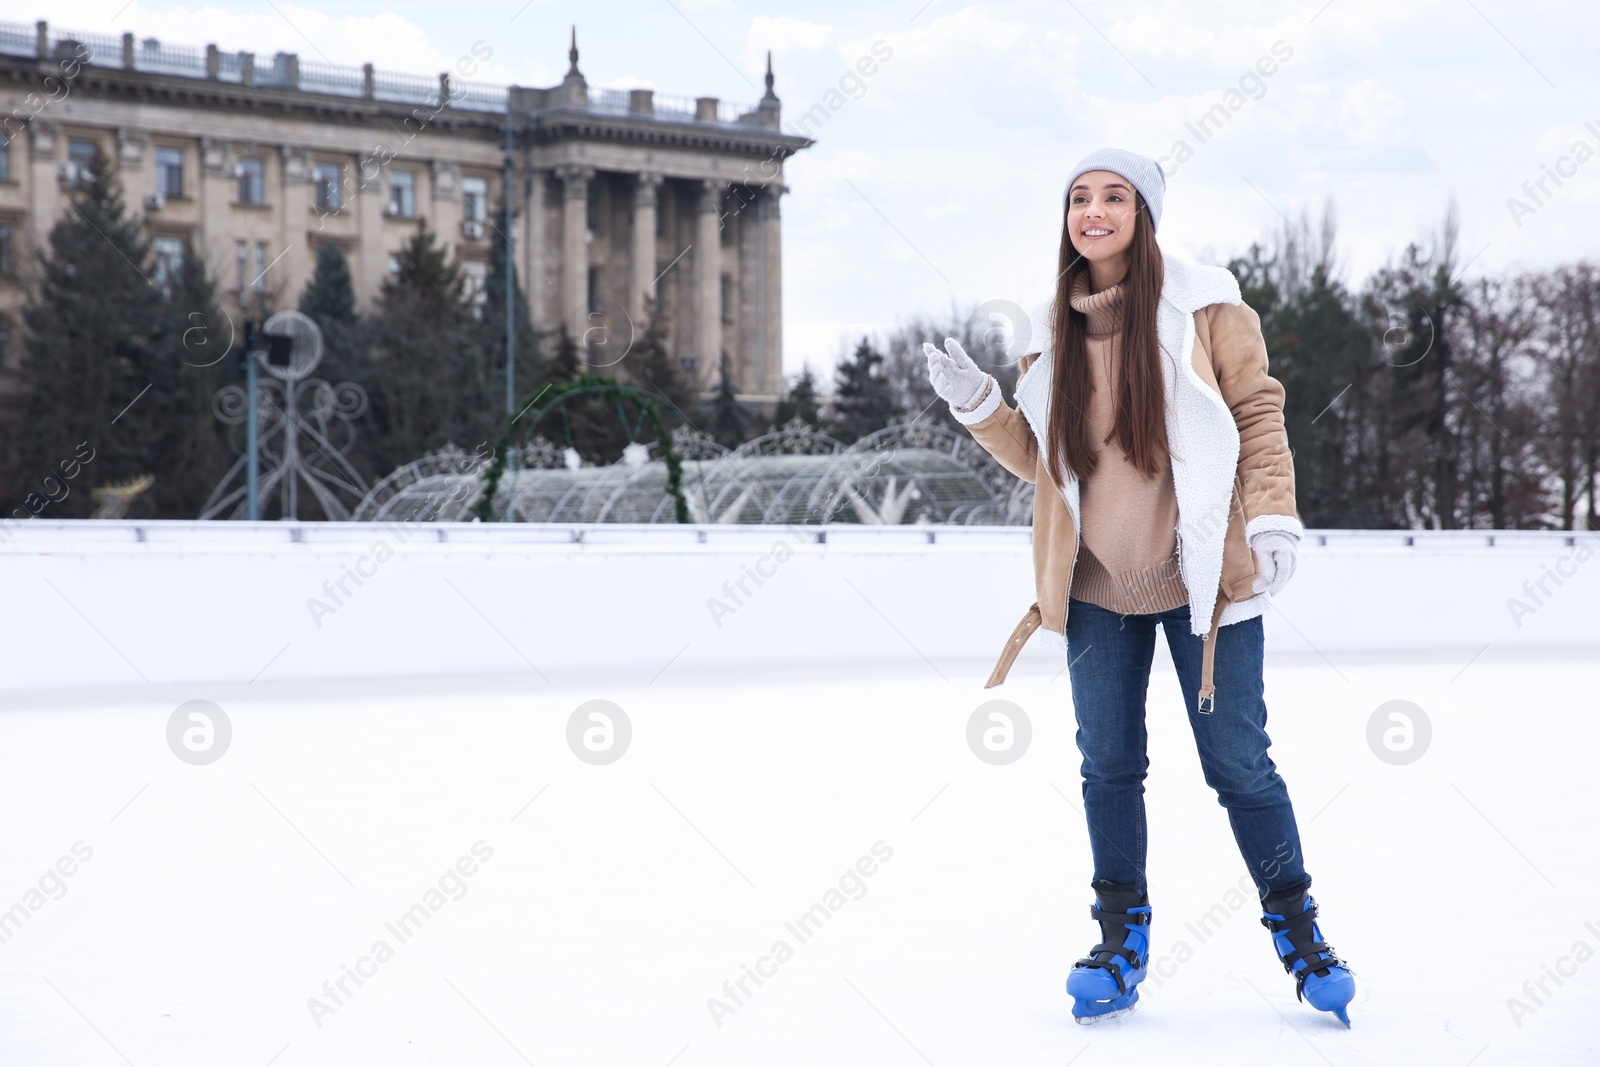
x=1568 y=352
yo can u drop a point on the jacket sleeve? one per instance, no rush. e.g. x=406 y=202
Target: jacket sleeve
x=1004 y=433
x=1266 y=467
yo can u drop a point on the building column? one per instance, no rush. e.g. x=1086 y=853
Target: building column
x=534 y=282
x=646 y=196
x=290 y=274
x=708 y=282
x=46 y=204
x=575 y=250
x=768 y=357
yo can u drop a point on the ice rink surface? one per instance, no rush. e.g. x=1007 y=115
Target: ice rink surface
x=608 y=905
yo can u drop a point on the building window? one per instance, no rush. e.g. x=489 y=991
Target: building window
x=476 y=274
x=241 y=256
x=593 y=202
x=250 y=183
x=727 y=298
x=7 y=263
x=260 y=282
x=394 y=266
x=403 y=194
x=474 y=200
x=5 y=158
x=594 y=288
x=169 y=259
x=80 y=157
x=169 y=172
x=8 y=352
x=325 y=178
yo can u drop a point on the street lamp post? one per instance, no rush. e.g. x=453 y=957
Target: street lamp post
x=252 y=463
x=511 y=320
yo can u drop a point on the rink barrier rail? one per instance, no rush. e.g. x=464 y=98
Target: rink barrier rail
x=47 y=535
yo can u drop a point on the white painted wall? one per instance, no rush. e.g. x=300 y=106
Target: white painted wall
x=96 y=604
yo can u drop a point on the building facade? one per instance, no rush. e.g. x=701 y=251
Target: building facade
x=255 y=162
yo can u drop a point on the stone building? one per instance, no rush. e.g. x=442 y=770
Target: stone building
x=255 y=161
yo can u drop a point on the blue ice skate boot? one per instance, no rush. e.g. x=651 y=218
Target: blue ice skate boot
x=1105 y=983
x=1320 y=977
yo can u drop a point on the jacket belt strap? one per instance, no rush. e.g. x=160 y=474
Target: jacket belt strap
x=1019 y=637
x=1207 y=659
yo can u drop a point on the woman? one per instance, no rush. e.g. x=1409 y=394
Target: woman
x=1147 y=406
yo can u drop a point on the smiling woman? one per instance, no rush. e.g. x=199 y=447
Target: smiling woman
x=1152 y=413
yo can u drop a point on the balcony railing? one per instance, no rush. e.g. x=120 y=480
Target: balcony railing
x=286 y=70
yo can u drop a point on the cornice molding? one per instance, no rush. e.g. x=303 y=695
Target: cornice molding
x=552 y=125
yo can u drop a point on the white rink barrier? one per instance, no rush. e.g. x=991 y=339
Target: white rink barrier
x=98 y=604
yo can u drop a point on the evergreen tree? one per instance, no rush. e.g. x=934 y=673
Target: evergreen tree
x=592 y=426
x=799 y=401
x=427 y=378
x=329 y=299
x=728 y=417
x=862 y=401
x=492 y=319
x=98 y=380
x=653 y=368
x=195 y=453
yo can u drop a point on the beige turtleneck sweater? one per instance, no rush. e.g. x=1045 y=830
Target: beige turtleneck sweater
x=1127 y=555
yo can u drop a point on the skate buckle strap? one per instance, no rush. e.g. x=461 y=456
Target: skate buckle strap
x=1305 y=955
x=1292 y=923
x=1110 y=965
x=1137 y=918
x=1319 y=965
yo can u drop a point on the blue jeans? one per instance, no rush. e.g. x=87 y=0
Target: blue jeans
x=1109 y=658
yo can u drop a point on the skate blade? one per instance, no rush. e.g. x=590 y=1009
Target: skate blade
x=1090 y=1020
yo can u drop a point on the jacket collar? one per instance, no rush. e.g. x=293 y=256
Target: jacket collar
x=1200 y=429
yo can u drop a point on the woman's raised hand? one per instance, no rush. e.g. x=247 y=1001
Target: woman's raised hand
x=956 y=379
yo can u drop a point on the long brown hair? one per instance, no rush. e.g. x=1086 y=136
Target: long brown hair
x=1140 y=426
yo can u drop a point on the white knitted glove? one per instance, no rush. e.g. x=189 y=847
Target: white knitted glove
x=1276 y=550
x=956 y=379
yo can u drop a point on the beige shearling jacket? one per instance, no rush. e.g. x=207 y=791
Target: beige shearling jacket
x=1231 y=467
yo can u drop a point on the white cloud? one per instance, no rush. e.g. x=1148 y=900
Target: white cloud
x=626 y=81
x=1371 y=115
x=782 y=36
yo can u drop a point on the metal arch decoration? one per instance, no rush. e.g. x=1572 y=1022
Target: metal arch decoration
x=583 y=385
x=307 y=428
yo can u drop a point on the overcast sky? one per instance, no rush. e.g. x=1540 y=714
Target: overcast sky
x=939 y=179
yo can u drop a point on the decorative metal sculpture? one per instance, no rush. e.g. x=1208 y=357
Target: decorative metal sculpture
x=113 y=501
x=307 y=427
x=913 y=473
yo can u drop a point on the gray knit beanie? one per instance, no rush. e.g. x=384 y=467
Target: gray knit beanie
x=1144 y=172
